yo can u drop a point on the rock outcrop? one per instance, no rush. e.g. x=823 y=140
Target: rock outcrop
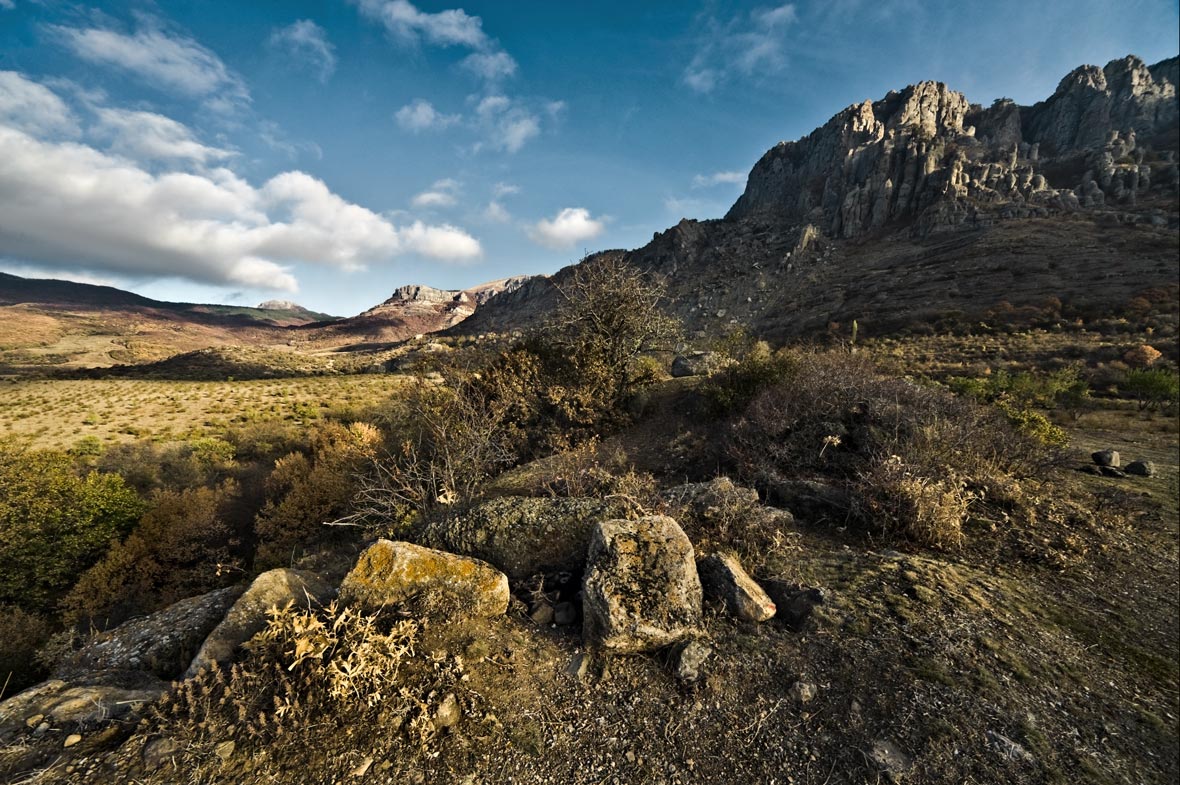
x=249 y=613
x=432 y=583
x=522 y=535
x=641 y=590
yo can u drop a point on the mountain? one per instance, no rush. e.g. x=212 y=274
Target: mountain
x=924 y=207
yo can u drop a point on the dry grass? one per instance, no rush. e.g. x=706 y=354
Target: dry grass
x=61 y=413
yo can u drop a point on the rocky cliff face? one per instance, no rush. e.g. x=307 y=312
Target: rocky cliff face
x=925 y=154
x=907 y=208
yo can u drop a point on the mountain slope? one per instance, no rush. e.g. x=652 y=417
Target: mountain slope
x=922 y=206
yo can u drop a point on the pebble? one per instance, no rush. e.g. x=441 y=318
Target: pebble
x=72 y=739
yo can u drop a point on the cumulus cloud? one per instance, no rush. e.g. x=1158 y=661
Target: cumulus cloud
x=420 y=115
x=8 y=5
x=31 y=107
x=403 y=20
x=717 y=178
x=742 y=46
x=454 y=27
x=571 y=226
x=443 y=193
x=507 y=124
x=167 y=62
x=492 y=67
x=66 y=205
x=496 y=213
x=306 y=41
x=153 y=137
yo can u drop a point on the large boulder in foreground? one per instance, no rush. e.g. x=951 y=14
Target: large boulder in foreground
x=522 y=536
x=273 y=589
x=432 y=583
x=724 y=580
x=162 y=644
x=641 y=590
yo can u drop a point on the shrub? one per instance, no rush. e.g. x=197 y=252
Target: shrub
x=54 y=524
x=21 y=634
x=735 y=385
x=305 y=490
x=1019 y=396
x=1153 y=387
x=181 y=548
x=910 y=458
x=307 y=671
x=1142 y=356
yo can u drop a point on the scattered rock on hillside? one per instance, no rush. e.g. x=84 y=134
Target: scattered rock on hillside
x=723 y=579
x=695 y=364
x=641 y=590
x=892 y=762
x=435 y=583
x=1106 y=457
x=522 y=536
x=61 y=704
x=1140 y=468
x=162 y=643
x=249 y=614
x=688 y=659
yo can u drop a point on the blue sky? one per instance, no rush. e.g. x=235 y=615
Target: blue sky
x=329 y=151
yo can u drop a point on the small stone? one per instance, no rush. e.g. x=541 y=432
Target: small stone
x=579 y=666
x=892 y=762
x=688 y=659
x=225 y=750
x=1106 y=457
x=34 y=721
x=41 y=730
x=71 y=740
x=1141 y=468
x=565 y=613
x=1112 y=471
x=542 y=614
x=1007 y=748
x=802 y=692
x=723 y=578
x=448 y=712
x=363 y=768
x=157 y=752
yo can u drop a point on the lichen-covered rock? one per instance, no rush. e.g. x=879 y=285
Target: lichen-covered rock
x=723 y=579
x=433 y=582
x=249 y=613
x=162 y=643
x=641 y=590
x=522 y=536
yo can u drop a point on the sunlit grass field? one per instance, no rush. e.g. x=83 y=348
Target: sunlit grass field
x=60 y=413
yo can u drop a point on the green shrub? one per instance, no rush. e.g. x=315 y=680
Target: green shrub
x=1153 y=387
x=21 y=634
x=1019 y=396
x=306 y=490
x=180 y=548
x=735 y=385
x=54 y=524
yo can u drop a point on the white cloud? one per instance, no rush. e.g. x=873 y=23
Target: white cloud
x=500 y=190
x=153 y=137
x=717 y=178
x=420 y=115
x=444 y=193
x=492 y=67
x=80 y=208
x=754 y=43
x=31 y=107
x=496 y=213
x=571 y=226
x=170 y=63
x=507 y=124
x=307 y=41
x=444 y=242
x=7 y=5
x=453 y=27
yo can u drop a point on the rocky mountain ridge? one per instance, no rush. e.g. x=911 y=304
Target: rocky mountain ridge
x=922 y=204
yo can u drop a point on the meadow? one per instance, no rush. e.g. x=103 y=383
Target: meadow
x=66 y=413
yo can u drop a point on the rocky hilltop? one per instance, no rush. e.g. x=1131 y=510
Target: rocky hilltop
x=923 y=204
